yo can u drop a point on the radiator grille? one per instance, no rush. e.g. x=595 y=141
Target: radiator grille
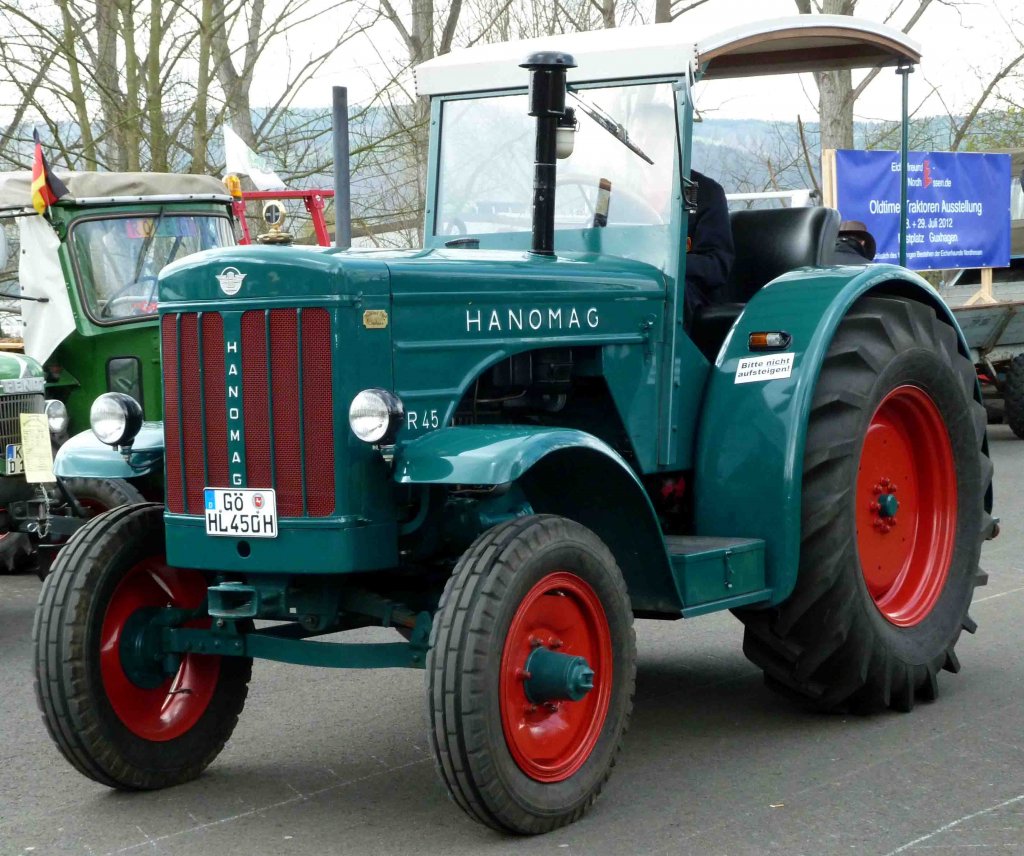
x=11 y=408
x=287 y=423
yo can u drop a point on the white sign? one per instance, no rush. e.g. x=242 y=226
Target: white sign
x=768 y=367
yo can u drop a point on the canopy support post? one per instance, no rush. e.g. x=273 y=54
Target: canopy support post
x=904 y=69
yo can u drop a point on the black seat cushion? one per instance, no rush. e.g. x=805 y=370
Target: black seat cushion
x=769 y=243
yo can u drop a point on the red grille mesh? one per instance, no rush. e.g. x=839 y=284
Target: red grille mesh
x=216 y=407
x=256 y=401
x=281 y=406
x=284 y=345
x=191 y=412
x=172 y=418
x=317 y=412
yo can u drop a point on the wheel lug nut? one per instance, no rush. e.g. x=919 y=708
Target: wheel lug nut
x=556 y=644
x=878 y=489
x=552 y=706
x=874 y=507
x=523 y=675
x=531 y=708
x=535 y=642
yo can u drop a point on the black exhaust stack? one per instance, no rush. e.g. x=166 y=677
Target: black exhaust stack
x=547 y=104
x=342 y=186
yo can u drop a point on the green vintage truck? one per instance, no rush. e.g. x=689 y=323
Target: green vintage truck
x=512 y=442
x=88 y=286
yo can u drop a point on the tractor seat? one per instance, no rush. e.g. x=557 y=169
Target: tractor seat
x=768 y=242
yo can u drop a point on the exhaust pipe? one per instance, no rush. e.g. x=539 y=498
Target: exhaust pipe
x=547 y=103
x=342 y=187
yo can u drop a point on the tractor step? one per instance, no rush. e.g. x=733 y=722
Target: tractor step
x=712 y=573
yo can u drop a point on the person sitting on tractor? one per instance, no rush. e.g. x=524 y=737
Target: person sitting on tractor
x=855 y=244
x=709 y=246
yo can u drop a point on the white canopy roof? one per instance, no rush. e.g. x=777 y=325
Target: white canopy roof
x=776 y=46
x=108 y=187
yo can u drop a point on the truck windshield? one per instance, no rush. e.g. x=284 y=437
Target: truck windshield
x=485 y=183
x=118 y=258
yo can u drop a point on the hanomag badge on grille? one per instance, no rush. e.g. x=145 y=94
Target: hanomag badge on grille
x=240 y=513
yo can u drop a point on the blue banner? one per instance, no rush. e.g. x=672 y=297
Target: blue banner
x=958 y=206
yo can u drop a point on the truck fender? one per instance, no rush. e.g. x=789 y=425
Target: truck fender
x=750 y=444
x=561 y=471
x=84 y=456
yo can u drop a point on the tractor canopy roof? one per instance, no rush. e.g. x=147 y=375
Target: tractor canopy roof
x=776 y=46
x=111 y=188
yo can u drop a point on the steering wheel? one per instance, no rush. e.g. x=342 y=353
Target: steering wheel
x=120 y=297
x=650 y=216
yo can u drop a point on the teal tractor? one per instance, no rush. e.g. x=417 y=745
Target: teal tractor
x=512 y=442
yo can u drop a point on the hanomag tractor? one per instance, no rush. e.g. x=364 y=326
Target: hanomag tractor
x=510 y=443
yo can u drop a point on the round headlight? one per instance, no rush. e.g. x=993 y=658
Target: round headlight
x=115 y=418
x=57 y=416
x=375 y=415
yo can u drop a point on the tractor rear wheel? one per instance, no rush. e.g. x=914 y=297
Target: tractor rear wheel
x=120 y=717
x=530 y=674
x=1013 y=395
x=895 y=479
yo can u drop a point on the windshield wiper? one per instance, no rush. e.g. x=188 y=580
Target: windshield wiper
x=146 y=242
x=611 y=126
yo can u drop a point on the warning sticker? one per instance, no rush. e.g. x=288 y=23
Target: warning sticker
x=768 y=367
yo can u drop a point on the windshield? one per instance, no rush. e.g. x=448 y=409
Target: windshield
x=485 y=183
x=118 y=258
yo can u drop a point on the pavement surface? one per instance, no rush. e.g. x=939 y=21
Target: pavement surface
x=337 y=763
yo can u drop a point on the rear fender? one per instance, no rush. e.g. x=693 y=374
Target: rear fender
x=750 y=443
x=84 y=456
x=561 y=471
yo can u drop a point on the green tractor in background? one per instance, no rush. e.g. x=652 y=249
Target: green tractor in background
x=509 y=444
x=88 y=287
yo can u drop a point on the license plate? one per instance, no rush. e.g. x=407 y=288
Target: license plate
x=240 y=513
x=15 y=460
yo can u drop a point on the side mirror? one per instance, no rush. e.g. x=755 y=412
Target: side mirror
x=689 y=195
x=3 y=247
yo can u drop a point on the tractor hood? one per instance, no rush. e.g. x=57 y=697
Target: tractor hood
x=235 y=276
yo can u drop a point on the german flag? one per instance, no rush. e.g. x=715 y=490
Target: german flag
x=46 y=187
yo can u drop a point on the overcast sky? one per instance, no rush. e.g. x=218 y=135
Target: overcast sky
x=959 y=46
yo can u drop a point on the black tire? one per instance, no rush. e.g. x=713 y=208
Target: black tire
x=15 y=552
x=464 y=673
x=833 y=642
x=1013 y=396
x=70 y=687
x=95 y=496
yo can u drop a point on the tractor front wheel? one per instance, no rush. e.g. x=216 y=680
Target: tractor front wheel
x=530 y=674
x=895 y=479
x=120 y=713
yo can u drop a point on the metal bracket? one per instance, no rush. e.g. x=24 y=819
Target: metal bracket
x=729 y=572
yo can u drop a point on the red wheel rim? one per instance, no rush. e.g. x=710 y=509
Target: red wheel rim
x=176 y=705
x=906 y=505
x=550 y=743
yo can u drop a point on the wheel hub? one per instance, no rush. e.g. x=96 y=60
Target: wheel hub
x=551 y=676
x=556 y=677
x=906 y=532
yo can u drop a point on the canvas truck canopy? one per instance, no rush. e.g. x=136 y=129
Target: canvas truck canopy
x=106 y=188
x=775 y=46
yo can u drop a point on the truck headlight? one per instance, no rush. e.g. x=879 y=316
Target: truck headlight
x=56 y=415
x=115 y=418
x=375 y=415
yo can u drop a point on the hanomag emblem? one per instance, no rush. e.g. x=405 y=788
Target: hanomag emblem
x=230 y=280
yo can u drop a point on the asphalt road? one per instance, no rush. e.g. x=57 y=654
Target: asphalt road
x=336 y=763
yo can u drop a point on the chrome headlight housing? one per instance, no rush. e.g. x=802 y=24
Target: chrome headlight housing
x=115 y=418
x=56 y=416
x=376 y=415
